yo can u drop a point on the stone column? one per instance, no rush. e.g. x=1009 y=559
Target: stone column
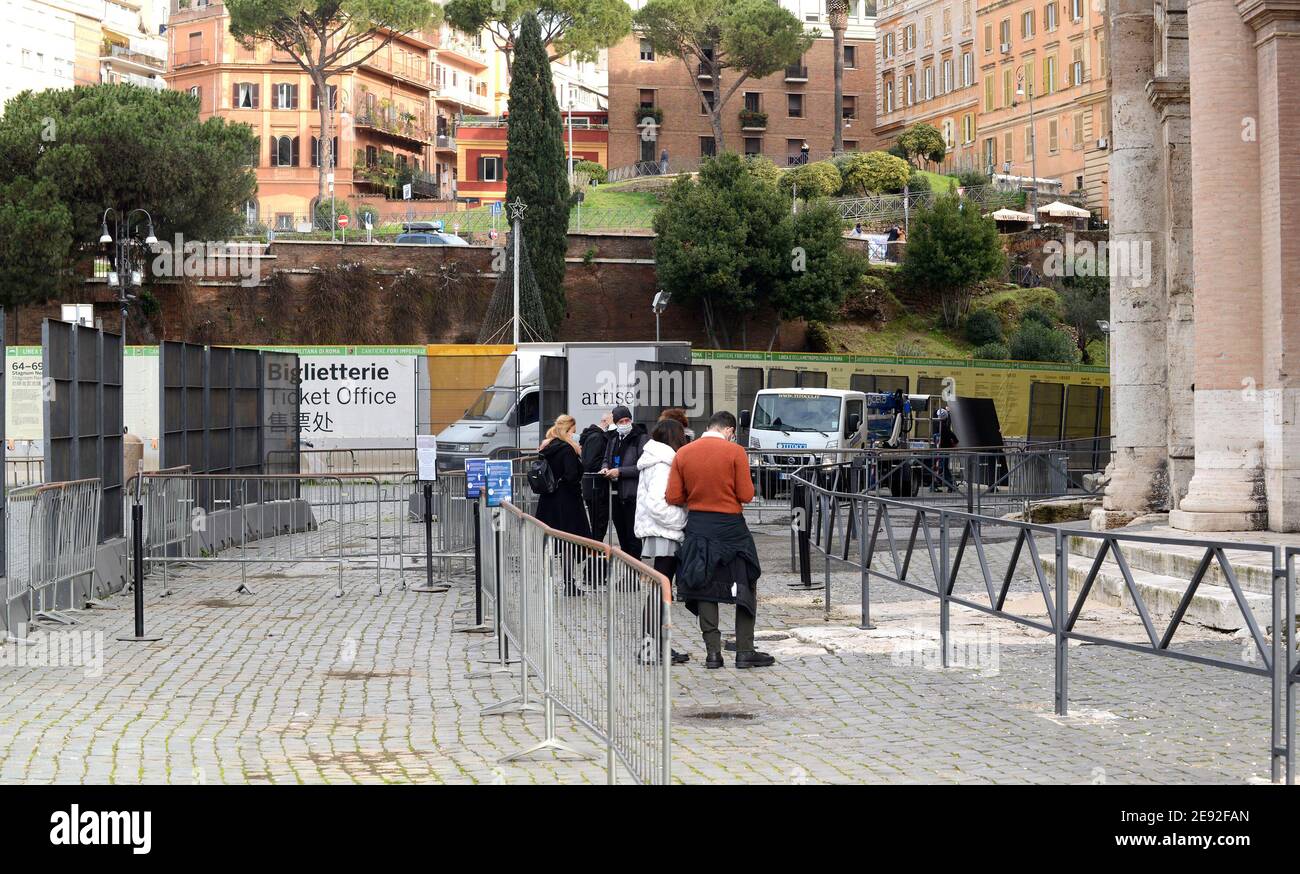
x=1226 y=492
x=1275 y=28
x=1139 y=474
x=1169 y=93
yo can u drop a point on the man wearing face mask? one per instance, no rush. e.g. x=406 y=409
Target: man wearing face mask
x=622 y=449
x=595 y=488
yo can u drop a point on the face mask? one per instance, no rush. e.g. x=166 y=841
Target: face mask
x=624 y=430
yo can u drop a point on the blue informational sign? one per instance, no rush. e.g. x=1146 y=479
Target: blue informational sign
x=498 y=482
x=475 y=474
x=496 y=208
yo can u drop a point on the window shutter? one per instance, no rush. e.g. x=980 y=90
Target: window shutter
x=255 y=89
x=293 y=96
x=293 y=157
x=315 y=97
x=234 y=96
x=315 y=151
x=482 y=168
x=275 y=145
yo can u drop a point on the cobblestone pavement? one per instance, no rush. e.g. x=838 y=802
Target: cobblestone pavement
x=294 y=685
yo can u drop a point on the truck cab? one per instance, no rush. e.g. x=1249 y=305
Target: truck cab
x=501 y=423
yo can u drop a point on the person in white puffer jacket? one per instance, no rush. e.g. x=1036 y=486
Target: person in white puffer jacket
x=657 y=523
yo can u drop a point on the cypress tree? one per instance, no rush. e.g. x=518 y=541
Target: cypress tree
x=536 y=175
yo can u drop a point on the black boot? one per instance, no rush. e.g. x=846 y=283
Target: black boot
x=713 y=660
x=753 y=659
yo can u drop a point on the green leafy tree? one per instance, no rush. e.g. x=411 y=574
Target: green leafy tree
x=35 y=239
x=727 y=242
x=809 y=181
x=536 y=174
x=923 y=141
x=873 y=172
x=578 y=27
x=763 y=167
x=949 y=251
x=66 y=156
x=1086 y=300
x=326 y=38
x=748 y=38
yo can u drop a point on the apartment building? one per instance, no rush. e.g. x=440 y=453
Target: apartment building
x=774 y=116
x=396 y=113
x=61 y=43
x=926 y=57
x=482 y=156
x=1047 y=57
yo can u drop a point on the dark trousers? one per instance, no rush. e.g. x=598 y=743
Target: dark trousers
x=708 y=613
x=598 y=510
x=624 y=516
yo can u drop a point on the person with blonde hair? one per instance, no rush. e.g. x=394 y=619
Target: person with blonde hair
x=562 y=509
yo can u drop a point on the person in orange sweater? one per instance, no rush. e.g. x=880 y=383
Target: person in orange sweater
x=717 y=562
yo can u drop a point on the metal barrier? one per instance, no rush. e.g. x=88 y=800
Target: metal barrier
x=24 y=470
x=354 y=520
x=591 y=626
x=327 y=462
x=986 y=481
x=52 y=536
x=974 y=561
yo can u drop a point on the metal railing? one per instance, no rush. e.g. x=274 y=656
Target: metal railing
x=24 y=470
x=591 y=626
x=1022 y=572
x=51 y=540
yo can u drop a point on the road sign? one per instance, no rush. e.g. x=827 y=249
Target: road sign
x=406 y=191
x=496 y=208
x=343 y=221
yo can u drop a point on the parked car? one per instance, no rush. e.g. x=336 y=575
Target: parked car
x=431 y=238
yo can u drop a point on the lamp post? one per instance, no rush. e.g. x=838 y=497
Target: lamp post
x=658 y=305
x=570 y=106
x=1026 y=88
x=1106 y=329
x=123 y=241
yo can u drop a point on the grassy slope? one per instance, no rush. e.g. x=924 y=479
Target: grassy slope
x=922 y=327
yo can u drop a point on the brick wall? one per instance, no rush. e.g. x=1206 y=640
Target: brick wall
x=609 y=282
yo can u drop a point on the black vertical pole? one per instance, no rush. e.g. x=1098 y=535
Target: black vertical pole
x=478 y=569
x=429 y=584
x=428 y=534
x=137 y=543
x=137 y=574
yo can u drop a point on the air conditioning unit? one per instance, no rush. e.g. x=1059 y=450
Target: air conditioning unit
x=1103 y=143
x=1006 y=48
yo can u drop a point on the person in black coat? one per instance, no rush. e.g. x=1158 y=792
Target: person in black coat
x=595 y=489
x=622 y=450
x=563 y=509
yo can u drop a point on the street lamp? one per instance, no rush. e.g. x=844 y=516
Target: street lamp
x=570 y=144
x=124 y=241
x=1106 y=329
x=1023 y=87
x=660 y=304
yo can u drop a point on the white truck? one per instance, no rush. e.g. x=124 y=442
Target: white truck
x=504 y=421
x=793 y=427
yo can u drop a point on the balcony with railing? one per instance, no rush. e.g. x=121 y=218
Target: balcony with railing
x=115 y=77
x=402 y=125
x=142 y=62
x=463 y=49
x=463 y=96
x=417 y=72
x=796 y=73
x=191 y=57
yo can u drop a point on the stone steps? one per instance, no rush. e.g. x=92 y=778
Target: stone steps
x=1254 y=570
x=1212 y=606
